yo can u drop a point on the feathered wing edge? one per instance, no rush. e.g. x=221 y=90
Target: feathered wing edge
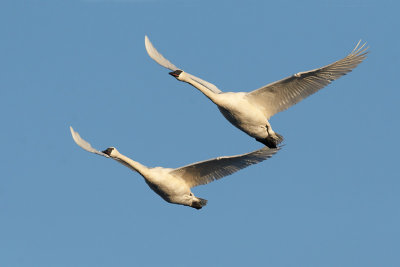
x=280 y=95
x=160 y=59
x=84 y=144
x=204 y=172
x=156 y=56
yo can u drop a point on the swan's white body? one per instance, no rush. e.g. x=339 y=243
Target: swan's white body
x=173 y=185
x=251 y=111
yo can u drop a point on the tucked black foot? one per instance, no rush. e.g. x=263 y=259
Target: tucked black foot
x=199 y=203
x=269 y=142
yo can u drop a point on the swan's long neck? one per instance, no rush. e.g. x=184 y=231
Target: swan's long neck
x=207 y=92
x=130 y=163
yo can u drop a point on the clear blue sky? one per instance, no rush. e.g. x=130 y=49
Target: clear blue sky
x=329 y=198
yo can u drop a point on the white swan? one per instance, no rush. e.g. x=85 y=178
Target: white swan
x=173 y=185
x=251 y=111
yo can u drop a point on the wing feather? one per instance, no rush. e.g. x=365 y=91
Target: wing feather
x=204 y=172
x=278 y=96
x=160 y=59
x=156 y=56
x=84 y=144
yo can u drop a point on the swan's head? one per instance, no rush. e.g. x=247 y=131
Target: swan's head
x=111 y=151
x=176 y=73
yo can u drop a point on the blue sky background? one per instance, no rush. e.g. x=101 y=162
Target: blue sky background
x=329 y=198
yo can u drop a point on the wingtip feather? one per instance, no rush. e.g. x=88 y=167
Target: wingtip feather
x=84 y=144
x=360 y=50
x=156 y=56
x=148 y=45
x=74 y=134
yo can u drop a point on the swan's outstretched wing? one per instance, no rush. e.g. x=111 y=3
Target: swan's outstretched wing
x=84 y=144
x=157 y=57
x=280 y=95
x=154 y=54
x=207 y=171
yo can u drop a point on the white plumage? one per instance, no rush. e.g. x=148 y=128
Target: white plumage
x=173 y=185
x=251 y=111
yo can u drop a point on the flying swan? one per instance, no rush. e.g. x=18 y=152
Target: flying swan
x=251 y=111
x=173 y=185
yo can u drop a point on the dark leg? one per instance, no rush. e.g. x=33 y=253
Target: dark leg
x=269 y=142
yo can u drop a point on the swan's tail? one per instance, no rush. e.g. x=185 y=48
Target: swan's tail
x=272 y=141
x=198 y=203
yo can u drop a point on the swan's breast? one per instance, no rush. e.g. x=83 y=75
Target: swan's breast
x=166 y=185
x=242 y=114
x=239 y=111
